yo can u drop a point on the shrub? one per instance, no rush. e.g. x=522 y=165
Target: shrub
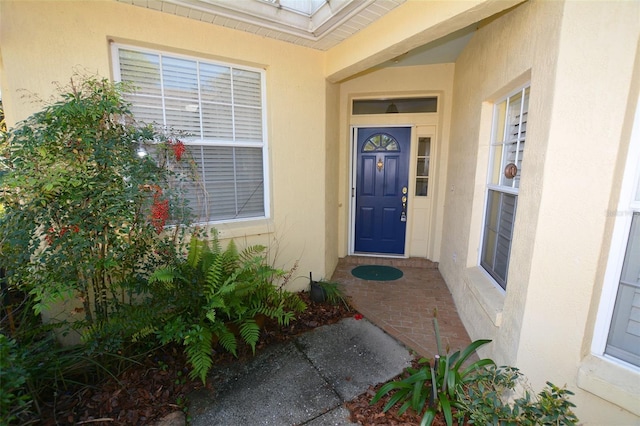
x=82 y=210
x=13 y=377
x=488 y=400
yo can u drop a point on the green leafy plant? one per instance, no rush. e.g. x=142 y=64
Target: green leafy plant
x=480 y=392
x=434 y=388
x=13 y=377
x=214 y=296
x=488 y=400
x=84 y=212
x=35 y=368
x=330 y=291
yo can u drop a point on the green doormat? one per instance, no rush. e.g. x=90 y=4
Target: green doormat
x=376 y=273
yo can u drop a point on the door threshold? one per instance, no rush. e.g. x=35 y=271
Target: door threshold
x=383 y=255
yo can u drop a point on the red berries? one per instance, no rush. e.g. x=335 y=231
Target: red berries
x=178 y=149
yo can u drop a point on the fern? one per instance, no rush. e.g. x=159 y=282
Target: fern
x=252 y=252
x=196 y=249
x=215 y=277
x=227 y=340
x=164 y=276
x=286 y=319
x=294 y=303
x=198 y=349
x=207 y=259
x=144 y=332
x=211 y=315
x=250 y=333
x=216 y=248
x=231 y=251
x=198 y=296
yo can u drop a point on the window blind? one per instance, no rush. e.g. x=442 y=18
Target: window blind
x=220 y=109
x=507 y=148
x=499 y=220
x=513 y=137
x=624 y=335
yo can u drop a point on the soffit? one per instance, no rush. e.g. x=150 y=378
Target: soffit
x=311 y=23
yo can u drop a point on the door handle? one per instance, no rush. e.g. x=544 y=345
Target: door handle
x=403 y=215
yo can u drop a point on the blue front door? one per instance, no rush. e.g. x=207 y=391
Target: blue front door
x=381 y=189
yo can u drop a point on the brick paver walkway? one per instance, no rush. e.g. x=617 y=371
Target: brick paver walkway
x=404 y=307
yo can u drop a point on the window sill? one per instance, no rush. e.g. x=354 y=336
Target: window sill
x=241 y=229
x=610 y=381
x=484 y=290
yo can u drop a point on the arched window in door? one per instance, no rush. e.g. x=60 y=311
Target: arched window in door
x=381 y=142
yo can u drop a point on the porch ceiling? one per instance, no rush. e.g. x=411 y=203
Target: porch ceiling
x=318 y=24
x=327 y=24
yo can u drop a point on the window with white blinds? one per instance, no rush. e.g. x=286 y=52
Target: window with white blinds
x=220 y=109
x=623 y=340
x=505 y=165
x=624 y=335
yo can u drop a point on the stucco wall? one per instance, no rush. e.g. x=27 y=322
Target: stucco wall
x=398 y=82
x=44 y=42
x=579 y=59
x=332 y=175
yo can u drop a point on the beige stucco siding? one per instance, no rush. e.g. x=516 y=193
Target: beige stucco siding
x=332 y=175
x=45 y=42
x=579 y=59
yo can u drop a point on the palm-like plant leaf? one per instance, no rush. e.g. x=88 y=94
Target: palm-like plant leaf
x=428 y=418
x=475 y=366
x=401 y=395
x=446 y=408
x=466 y=353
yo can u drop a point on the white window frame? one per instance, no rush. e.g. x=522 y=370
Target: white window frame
x=622 y=227
x=512 y=189
x=201 y=141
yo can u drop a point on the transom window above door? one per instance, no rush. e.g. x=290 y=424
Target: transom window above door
x=395 y=105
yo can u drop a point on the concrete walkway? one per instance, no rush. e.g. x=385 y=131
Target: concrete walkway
x=302 y=382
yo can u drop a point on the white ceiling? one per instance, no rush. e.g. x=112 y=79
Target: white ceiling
x=310 y=23
x=318 y=24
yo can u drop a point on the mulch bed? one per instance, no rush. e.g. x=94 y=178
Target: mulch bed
x=366 y=414
x=160 y=384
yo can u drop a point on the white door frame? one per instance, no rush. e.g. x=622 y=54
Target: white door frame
x=353 y=167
